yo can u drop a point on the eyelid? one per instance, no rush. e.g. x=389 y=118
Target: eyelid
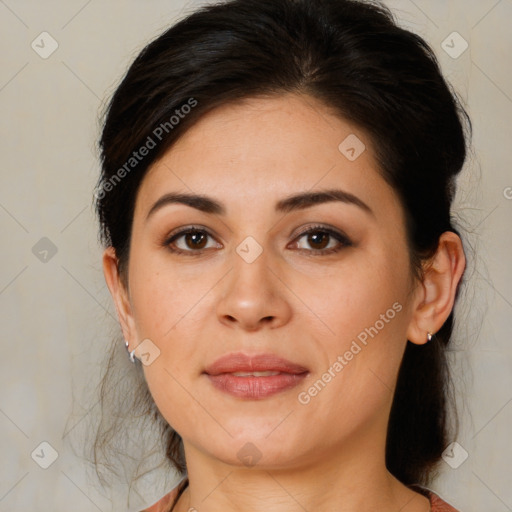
x=322 y=227
x=185 y=229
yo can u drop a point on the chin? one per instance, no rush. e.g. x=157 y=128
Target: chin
x=246 y=450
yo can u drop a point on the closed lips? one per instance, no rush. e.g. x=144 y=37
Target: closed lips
x=258 y=365
x=255 y=374
x=255 y=377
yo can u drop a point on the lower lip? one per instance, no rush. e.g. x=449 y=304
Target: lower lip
x=255 y=388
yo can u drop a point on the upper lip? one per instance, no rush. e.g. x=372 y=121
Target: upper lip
x=239 y=362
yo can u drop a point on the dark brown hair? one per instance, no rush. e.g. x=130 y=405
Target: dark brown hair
x=353 y=57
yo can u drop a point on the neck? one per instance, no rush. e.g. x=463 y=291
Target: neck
x=349 y=480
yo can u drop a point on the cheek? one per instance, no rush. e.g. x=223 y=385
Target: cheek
x=170 y=394
x=356 y=295
x=164 y=299
x=166 y=311
x=364 y=323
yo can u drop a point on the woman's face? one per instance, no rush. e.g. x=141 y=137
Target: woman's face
x=336 y=302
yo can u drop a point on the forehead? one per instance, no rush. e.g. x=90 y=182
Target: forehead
x=255 y=152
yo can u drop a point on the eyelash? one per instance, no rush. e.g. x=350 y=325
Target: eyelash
x=344 y=241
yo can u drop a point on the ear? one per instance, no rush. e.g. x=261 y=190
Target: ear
x=435 y=295
x=120 y=295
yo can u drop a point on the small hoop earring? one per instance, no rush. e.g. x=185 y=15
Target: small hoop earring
x=429 y=336
x=132 y=353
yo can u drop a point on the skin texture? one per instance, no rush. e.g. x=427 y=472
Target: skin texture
x=327 y=454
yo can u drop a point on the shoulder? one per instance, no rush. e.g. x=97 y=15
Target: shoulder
x=164 y=504
x=437 y=504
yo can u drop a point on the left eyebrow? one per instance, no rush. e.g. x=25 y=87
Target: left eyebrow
x=294 y=202
x=309 y=199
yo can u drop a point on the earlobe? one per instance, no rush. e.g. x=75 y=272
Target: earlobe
x=119 y=293
x=436 y=298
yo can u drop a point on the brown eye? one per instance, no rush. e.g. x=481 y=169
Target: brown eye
x=195 y=240
x=319 y=238
x=190 y=240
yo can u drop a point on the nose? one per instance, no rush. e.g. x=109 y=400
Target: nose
x=254 y=295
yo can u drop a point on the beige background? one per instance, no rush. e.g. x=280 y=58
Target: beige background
x=57 y=316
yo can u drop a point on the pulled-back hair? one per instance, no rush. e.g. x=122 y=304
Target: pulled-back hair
x=354 y=58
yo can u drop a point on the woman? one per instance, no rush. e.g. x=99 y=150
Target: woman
x=277 y=177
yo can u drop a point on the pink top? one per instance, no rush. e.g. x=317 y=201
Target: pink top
x=166 y=504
